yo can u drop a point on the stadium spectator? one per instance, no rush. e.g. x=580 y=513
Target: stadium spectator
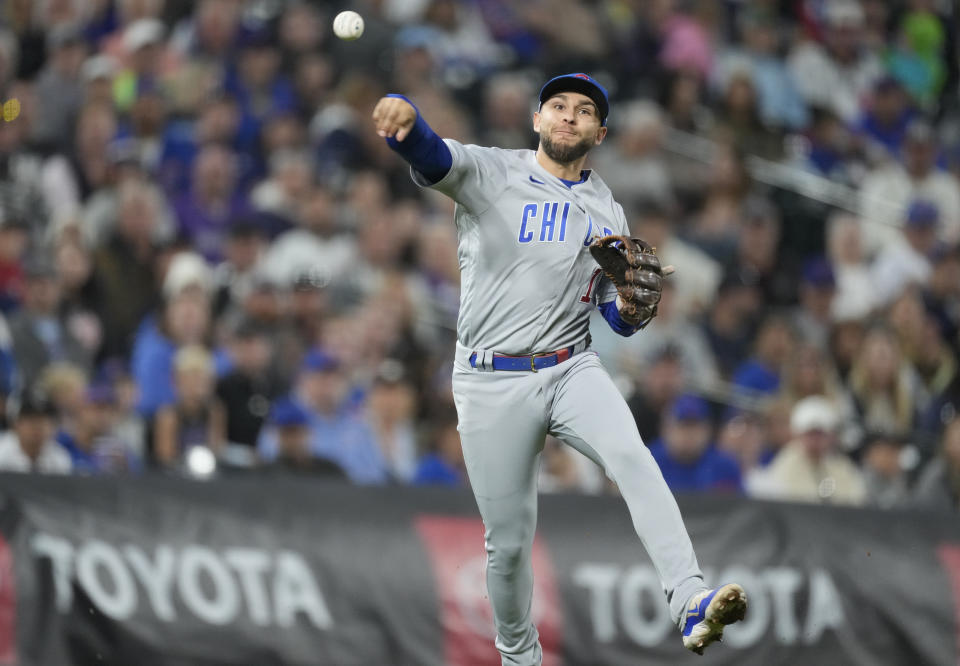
x=846 y=339
x=184 y=320
x=908 y=262
x=935 y=362
x=196 y=417
x=91 y=439
x=79 y=297
x=809 y=468
x=506 y=110
x=757 y=257
x=854 y=296
x=29 y=445
x=207 y=210
x=941 y=295
x=762 y=373
x=39 y=330
x=808 y=372
x=715 y=223
x=129 y=426
x=59 y=87
x=883 y=384
x=818 y=287
x=123 y=269
x=686 y=454
x=634 y=158
x=250 y=386
x=739 y=122
x=889 y=191
x=82 y=166
x=883 y=472
x=839 y=72
x=239 y=273
x=669 y=330
x=289 y=180
x=828 y=148
x=730 y=322
x=743 y=435
x=142 y=133
x=442 y=463
x=694 y=290
x=23 y=204
x=318 y=246
x=883 y=125
x=916 y=54
x=779 y=101
x=939 y=484
x=64 y=385
x=657 y=386
x=290 y=424
x=335 y=433
x=391 y=406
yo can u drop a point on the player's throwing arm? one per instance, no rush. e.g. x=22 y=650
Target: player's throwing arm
x=394 y=117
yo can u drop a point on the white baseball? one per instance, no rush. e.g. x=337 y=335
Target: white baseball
x=348 y=25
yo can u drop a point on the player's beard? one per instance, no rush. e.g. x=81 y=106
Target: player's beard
x=563 y=153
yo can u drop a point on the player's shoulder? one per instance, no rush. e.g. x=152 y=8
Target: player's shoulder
x=493 y=153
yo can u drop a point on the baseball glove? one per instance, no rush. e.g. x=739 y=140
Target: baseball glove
x=633 y=266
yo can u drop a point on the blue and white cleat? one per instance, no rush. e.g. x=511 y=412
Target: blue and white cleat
x=709 y=612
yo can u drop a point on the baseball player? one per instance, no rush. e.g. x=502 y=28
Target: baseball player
x=528 y=223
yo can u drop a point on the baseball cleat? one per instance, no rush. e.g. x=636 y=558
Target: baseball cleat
x=709 y=612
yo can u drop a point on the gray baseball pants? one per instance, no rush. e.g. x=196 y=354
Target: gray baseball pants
x=503 y=420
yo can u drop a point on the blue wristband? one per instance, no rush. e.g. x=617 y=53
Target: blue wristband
x=423 y=148
x=611 y=313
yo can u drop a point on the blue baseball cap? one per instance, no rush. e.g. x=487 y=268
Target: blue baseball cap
x=288 y=413
x=922 y=214
x=579 y=83
x=817 y=272
x=318 y=360
x=690 y=408
x=101 y=393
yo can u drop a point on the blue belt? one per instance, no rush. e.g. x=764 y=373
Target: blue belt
x=529 y=363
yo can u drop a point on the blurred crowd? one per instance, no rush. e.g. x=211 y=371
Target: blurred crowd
x=210 y=263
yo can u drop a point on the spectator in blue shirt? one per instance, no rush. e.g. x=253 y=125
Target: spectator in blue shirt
x=290 y=424
x=760 y=374
x=336 y=433
x=685 y=452
x=90 y=438
x=443 y=463
x=884 y=124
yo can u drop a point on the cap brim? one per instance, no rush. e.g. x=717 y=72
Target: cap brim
x=577 y=85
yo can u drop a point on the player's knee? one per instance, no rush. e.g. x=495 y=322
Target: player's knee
x=507 y=549
x=506 y=557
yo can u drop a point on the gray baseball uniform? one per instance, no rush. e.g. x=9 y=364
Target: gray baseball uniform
x=528 y=286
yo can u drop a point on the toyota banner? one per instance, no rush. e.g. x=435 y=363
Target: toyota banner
x=162 y=571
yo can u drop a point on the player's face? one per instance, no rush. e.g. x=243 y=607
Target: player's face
x=569 y=126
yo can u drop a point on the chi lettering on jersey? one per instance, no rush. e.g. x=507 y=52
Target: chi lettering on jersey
x=544 y=222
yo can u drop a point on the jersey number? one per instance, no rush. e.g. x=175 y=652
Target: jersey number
x=594 y=280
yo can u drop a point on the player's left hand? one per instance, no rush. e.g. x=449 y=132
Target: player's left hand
x=634 y=267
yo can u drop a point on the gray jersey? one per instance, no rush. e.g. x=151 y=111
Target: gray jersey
x=528 y=280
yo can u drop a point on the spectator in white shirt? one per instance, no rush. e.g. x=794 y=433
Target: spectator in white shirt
x=837 y=74
x=855 y=295
x=888 y=190
x=907 y=262
x=29 y=446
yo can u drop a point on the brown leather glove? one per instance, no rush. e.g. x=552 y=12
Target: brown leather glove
x=633 y=266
